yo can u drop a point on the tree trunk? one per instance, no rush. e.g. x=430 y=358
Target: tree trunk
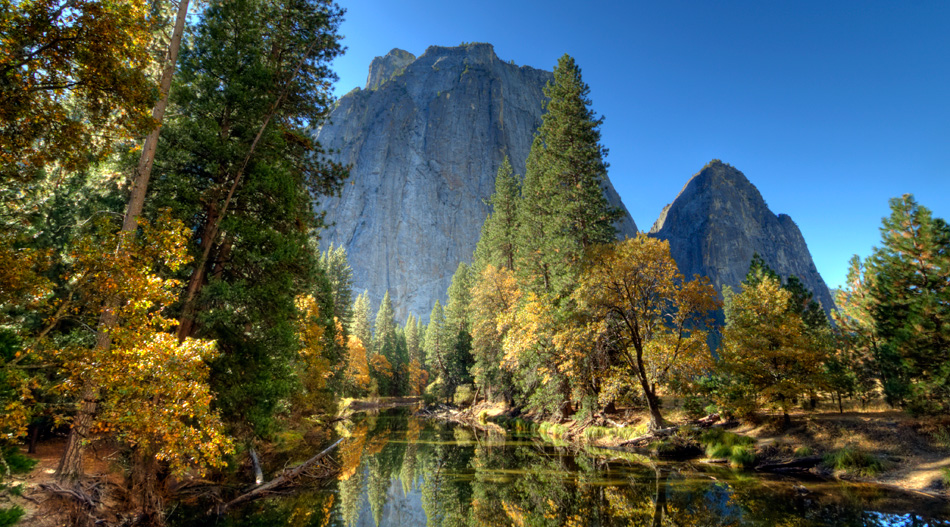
x=70 y=465
x=144 y=169
x=145 y=487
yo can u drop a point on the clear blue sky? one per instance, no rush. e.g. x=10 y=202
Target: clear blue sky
x=829 y=108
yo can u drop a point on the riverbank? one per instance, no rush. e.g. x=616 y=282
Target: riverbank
x=886 y=448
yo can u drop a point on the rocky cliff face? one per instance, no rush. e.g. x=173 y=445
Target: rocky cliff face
x=425 y=140
x=719 y=220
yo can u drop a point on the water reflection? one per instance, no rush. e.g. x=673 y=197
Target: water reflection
x=397 y=470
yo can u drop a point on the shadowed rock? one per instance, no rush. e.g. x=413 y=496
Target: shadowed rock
x=719 y=220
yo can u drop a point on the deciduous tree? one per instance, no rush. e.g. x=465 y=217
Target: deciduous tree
x=635 y=287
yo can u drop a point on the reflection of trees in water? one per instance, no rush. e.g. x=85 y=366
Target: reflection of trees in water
x=493 y=483
x=446 y=498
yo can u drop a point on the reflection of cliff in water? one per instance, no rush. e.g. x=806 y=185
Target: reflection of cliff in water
x=403 y=471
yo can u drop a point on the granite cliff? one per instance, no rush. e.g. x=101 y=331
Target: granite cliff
x=719 y=220
x=425 y=138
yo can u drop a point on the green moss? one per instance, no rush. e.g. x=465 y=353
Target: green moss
x=853 y=460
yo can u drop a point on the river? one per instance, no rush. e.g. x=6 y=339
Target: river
x=399 y=470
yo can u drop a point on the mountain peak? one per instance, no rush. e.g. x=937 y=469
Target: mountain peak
x=381 y=69
x=720 y=219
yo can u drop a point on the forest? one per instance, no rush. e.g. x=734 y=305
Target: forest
x=162 y=287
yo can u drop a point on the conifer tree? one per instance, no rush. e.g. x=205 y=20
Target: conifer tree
x=412 y=337
x=563 y=209
x=911 y=306
x=385 y=343
x=360 y=325
x=338 y=271
x=458 y=328
x=437 y=346
x=496 y=245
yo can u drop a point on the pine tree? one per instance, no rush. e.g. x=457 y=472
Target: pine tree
x=563 y=210
x=497 y=240
x=437 y=350
x=458 y=329
x=360 y=325
x=334 y=263
x=911 y=307
x=240 y=166
x=385 y=343
x=858 y=343
x=413 y=344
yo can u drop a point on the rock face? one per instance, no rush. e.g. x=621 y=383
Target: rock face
x=385 y=68
x=425 y=140
x=719 y=220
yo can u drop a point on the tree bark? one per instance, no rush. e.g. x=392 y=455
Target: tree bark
x=70 y=466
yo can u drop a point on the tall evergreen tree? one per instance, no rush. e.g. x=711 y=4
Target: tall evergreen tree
x=459 y=329
x=496 y=245
x=239 y=165
x=437 y=348
x=413 y=343
x=911 y=306
x=563 y=210
x=360 y=325
x=387 y=344
x=340 y=275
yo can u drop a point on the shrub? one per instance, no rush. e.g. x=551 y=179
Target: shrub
x=802 y=451
x=464 y=395
x=553 y=429
x=18 y=462
x=739 y=450
x=850 y=459
x=593 y=433
x=11 y=516
x=945 y=472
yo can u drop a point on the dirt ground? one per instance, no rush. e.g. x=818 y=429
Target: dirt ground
x=100 y=462
x=913 y=457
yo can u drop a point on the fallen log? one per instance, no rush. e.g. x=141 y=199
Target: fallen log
x=286 y=477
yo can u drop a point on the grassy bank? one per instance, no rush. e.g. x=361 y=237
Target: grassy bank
x=883 y=447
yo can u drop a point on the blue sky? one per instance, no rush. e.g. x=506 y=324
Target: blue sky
x=829 y=108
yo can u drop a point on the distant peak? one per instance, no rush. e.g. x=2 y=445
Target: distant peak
x=388 y=66
x=473 y=52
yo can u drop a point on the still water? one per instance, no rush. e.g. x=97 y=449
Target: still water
x=398 y=470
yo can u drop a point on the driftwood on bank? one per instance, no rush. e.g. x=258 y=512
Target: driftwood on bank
x=445 y=413
x=710 y=421
x=286 y=477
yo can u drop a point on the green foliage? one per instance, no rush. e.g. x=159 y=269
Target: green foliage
x=11 y=515
x=464 y=395
x=563 y=209
x=945 y=474
x=236 y=75
x=719 y=443
x=769 y=352
x=911 y=307
x=16 y=461
x=337 y=269
x=851 y=459
x=802 y=451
